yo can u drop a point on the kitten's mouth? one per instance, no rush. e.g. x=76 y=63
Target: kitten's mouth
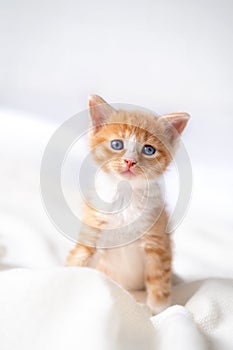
x=128 y=173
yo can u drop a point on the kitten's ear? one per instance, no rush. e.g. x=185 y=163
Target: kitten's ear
x=175 y=123
x=100 y=110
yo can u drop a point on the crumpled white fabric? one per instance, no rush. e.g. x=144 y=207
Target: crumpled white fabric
x=204 y=322
x=212 y=310
x=64 y=308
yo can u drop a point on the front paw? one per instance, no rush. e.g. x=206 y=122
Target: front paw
x=73 y=260
x=157 y=306
x=80 y=255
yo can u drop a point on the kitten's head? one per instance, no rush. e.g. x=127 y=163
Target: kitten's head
x=133 y=145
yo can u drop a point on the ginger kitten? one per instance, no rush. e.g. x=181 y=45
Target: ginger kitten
x=136 y=147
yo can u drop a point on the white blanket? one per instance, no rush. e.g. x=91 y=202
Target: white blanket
x=46 y=306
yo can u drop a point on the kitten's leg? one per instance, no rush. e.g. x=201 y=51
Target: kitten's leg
x=89 y=233
x=158 y=267
x=80 y=255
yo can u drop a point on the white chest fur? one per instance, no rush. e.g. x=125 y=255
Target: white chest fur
x=133 y=209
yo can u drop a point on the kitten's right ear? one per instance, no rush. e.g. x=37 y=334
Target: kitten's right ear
x=100 y=110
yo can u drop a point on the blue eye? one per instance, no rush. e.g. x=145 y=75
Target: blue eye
x=117 y=145
x=148 y=150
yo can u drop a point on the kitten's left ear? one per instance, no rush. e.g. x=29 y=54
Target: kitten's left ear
x=100 y=110
x=175 y=123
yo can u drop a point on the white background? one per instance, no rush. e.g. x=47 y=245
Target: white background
x=165 y=55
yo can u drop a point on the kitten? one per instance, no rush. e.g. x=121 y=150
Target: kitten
x=136 y=147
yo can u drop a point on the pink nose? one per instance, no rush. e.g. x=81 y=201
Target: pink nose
x=130 y=162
